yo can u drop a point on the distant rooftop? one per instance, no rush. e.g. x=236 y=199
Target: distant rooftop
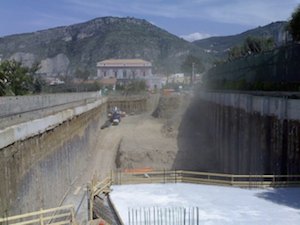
x=124 y=63
x=108 y=81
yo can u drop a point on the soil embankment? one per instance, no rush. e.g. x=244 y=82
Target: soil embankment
x=151 y=141
x=157 y=140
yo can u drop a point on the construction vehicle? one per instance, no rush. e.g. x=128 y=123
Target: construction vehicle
x=114 y=117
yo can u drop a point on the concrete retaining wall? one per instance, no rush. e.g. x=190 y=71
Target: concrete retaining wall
x=280 y=107
x=43 y=160
x=18 y=109
x=19 y=104
x=242 y=134
x=31 y=128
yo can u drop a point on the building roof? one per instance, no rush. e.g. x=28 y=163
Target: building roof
x=108 y=81
x=124 y=63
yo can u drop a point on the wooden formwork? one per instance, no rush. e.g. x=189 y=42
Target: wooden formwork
x=96 y=188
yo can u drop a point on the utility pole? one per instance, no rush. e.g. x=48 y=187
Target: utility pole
x=193 y=73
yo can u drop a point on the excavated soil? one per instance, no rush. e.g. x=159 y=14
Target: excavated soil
x=147 y=140
x=150 y=140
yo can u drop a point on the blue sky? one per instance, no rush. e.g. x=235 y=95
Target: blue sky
x=191 y=19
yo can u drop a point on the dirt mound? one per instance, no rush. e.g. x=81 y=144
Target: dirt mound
x=171 y=109
x=166 y=107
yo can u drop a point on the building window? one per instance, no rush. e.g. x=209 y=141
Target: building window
x=144 y=73
x=104 y=73
x=133 y=74
x=124 y=73
x=116 y=74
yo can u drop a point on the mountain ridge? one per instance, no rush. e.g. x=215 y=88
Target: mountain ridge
x=219 y=45
x=63 y=50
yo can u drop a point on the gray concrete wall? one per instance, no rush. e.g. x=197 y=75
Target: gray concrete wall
x=240 y=134
x=18 y=109
x=19 y=104
x=37 y=172
x=24 y=130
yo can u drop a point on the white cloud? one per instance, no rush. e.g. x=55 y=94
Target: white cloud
x=195 y=36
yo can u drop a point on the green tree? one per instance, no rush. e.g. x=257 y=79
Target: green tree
x=82 y=74
x=15 y=78
x=3 y=80
x=192 y=63
x=257 y=45
x=251 y=45
x=135 y=86
x=235 y=53
x=294 y=24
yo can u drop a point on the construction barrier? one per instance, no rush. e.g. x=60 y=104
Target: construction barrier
x=182 y=176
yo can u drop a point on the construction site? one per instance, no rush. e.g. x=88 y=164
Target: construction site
x=63 y=173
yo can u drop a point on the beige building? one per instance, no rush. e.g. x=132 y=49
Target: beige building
x=124 y=69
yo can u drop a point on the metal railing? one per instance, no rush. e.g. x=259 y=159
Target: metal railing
x=205 y=178
x=55 y=216
x=164 y=216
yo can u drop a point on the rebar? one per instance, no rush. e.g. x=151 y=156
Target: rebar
x=163 y=216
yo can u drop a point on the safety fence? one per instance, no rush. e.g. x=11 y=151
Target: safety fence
x=55 y=216
x=180 y=176
x=279 y=65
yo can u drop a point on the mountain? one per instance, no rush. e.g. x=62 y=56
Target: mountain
x=64 y=50
x=219 y=46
